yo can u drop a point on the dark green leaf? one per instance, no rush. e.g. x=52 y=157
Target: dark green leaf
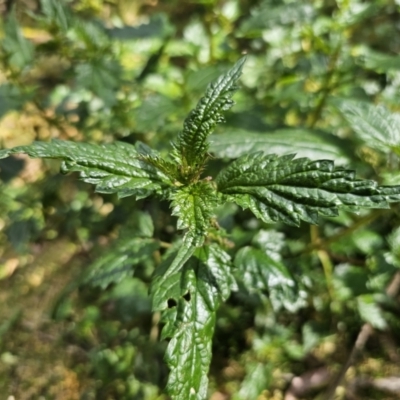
x=18 y=50
x=12 y=98
x=119 y=261
x=191 y=147
x=113 y=168
x=304 y=143
x=165 y=283
x=197 y=290
x=56 y=13
x=290 y=190
x=101 y=76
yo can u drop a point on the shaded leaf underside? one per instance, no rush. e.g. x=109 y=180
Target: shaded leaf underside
x=290 y=190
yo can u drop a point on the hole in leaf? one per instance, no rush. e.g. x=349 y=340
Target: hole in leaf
x=187 y=296
x=171 y=303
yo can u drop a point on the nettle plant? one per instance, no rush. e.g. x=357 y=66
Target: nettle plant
x=196 y=274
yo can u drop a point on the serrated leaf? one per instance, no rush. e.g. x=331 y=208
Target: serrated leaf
x=18 y=50
x=165 y=283
x=198 y=288
x=258 y=271
x=370 y=311
x=56 y=13
x=194 y=206
x=192 y=146
x=101 y=76
x=113 y=168
x=305 y=143
x=375 y=125
x=291 y=190
x=119 y=261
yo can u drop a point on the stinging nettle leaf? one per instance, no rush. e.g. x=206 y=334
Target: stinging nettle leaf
x=113 y=168
x=303 y=142
x=192 y=146
x=375 y=125
x=194 y=205
x=293 y=190
x=120 y=260
x=203 y=282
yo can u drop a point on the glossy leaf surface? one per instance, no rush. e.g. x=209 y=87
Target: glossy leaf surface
x=113 y=168
x=192 y=146
x=291 y=190
x=194 y=205
x=193 y=299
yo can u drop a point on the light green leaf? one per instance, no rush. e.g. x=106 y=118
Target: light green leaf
x=370 y=311
x=393 y=256
x=198 y=289
x=379 y=61
x=119 y=261
x=258 y=377
x=290 y=190
x=375 y=125
x=192 y=146
x=194 y=206
x=113 y=168
x=303 y=142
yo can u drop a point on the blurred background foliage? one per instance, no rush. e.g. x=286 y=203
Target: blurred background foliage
x=75 y=320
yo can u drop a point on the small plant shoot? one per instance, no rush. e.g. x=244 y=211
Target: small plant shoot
x=198 y=274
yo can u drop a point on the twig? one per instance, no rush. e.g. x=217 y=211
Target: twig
x=360 y=342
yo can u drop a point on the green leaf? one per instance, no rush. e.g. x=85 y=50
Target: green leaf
x=192 y=146
x=378 y=61
x=291 y=190
x=201 y=285
x=260 y=268
x=305 y=143
x=113 y=168
x=194 y=206
x=55 y=11
x=18 y=50
x=393 y=257
x=165 y=283
x=258 y=377
x=12 y=98
x=370 y=311
x=101 y=76
x=375 y=125
x=119 y=261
